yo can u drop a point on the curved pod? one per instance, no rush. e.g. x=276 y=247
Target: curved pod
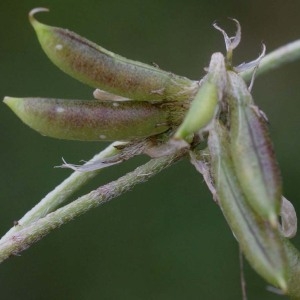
x=100 y=68
x=94 y=120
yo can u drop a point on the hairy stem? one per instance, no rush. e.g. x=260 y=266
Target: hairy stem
x=277 y=58
x=12 y=244
x=61 y=193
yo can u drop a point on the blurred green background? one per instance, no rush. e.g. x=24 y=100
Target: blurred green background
x=166 y=239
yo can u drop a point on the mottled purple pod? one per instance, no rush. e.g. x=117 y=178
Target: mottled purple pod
x=261 y=243
x=94 y=120
x=252 y=152
x=100 y=68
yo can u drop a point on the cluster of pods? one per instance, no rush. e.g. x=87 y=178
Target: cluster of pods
x=136 y=101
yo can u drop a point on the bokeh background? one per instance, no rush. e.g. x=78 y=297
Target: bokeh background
x=166 y=239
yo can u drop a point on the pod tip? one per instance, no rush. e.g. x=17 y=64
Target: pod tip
x=182 y=135
x=34 y=11
x=11 y=102
x=7 y=100
x=178 y=135
x=283 y=285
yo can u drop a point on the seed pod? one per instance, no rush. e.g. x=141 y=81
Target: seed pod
x=205 y=104
x=94 y=120
x=100 y=68
x=252 y=152
x=260 y=243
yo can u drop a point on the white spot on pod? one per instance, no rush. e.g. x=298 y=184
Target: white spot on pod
x=58 y=47
x=102 y=136
x=115 y=104
x=60 y=109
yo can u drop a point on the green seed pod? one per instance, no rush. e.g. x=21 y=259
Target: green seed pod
x=205 y=104
x=260 y=242
x=100 y=68
x=94 y=120
x=252 y=152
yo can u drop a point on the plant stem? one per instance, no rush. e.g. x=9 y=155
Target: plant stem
x=277 y=58
x=12 y=244
x=61 y=193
